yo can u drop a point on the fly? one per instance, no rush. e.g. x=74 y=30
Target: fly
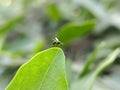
x=56 y=42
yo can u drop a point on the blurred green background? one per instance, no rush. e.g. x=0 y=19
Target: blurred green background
x=29 y=26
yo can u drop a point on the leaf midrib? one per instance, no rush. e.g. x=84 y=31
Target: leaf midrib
x=47 y=71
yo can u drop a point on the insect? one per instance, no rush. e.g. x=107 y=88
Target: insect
x=56 y=42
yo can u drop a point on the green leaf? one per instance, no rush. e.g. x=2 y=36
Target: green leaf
x=54 y=12
x=45 y=71
x=108 y=61
x=72 y=31
x=90 y=78
x=2 y=39
x=90 y=61
x=39 y=46
x=26 y=3
x=10 y=24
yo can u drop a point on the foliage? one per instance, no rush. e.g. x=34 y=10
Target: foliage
x=72 y=31
x=27 y=28
x=39 y=72
x=89 y=78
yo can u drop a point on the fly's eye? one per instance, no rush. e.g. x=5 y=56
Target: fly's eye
x=54 y=42
x=58 y=42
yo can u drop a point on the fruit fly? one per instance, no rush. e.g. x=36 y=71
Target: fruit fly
x=56 y=42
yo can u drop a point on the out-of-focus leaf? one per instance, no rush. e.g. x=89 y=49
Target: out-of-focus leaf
x=86 y=83
x=113 y=79
x=2 y=38
x=90 y=60
x=10 y=24
x=27 y=2
x=45 y=71
x=95 y=8
x=109 y=60
x=86 y=14
x=54 y=12
x=72 y=31
x=39 y=46
x=112 y=40
x=98 y=11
